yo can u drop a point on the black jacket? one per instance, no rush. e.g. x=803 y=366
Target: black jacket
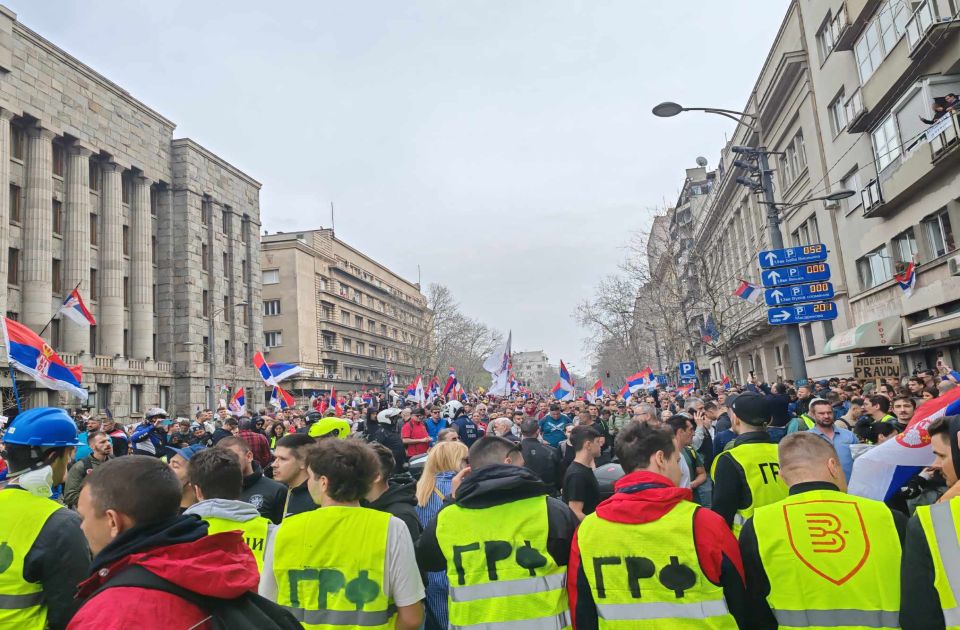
x=496 y=485
x=543 y=460
x=392 y=440
x=58 y=561
x=920 y=606
x=730 y=489
x=758 y=584
x=219 y=434
x=299 y=501
x=400 y=500
x=267 y=495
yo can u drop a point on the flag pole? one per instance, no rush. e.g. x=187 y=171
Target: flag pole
x=50 y=321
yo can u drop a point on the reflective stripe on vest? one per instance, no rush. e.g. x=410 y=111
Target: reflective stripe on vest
x=839 y=618
x=254 y=533
x=334 y=585
x=502 y=578
x=838 y=550
x=24 y=515
x=761 y=468
x=939 y=523
x=645 y=575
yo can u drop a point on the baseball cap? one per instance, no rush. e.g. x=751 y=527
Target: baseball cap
x=188 y=451
x=750 y=408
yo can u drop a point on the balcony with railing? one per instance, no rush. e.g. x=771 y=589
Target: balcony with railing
x=925 y=25
x=854 y=107
x=943 y=136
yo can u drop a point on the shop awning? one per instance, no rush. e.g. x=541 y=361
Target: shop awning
x=887 y=331
x=935 y=325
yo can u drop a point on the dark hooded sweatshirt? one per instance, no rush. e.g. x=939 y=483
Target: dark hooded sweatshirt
x=400 y=500
x=920 y=606
x=496 y=485
x=644 y=497
x=265 y=494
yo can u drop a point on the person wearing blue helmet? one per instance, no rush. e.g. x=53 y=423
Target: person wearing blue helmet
x=43 y=553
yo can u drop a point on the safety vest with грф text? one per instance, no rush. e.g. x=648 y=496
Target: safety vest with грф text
x=940 y=523
x=499 y=568
x=761 y=468
x=648 y=575
x=23 y=516
x=832 y=560
x=327 y=585
x=254 y=533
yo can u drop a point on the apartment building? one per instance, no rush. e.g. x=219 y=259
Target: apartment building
x=533 y=368
x=155 y=232
x=338 y=313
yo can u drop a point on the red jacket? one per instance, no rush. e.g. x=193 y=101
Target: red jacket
x=220 y=565
x=642 y=497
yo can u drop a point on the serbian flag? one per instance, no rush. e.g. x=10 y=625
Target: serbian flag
x=281 y=399
x=750 y=292
x=30 y=354
x=560 y=391
x=643 y=378
x=335 y=402
x=882 y=470
x=238 y=404
x=907 y=280
x=625 y=392
x=725 y=382
x=74 y=308
x=415 y=391
x=514 y=384
x=684 y=390
x=281 y=371
x=595 y=392
x=433 y=390
x=264 y=368
x=565 y=376
x=452 y=385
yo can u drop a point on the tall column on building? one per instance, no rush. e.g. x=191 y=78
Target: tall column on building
x=76 y=241
x=111 y=262
x=141 y=270
x=5 y=117
x=37 y=229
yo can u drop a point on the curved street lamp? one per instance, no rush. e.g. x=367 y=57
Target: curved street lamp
x=669 y=109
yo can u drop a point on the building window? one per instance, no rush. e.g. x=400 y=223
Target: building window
x=94 y=175
x=244 y=228
x=939 y=233
x=361 y=347
x=205 y=298
x=793 y=161
x=126 y=342
x=136 y=398
x=156 y=301
x=56 y=276
x=153 y=249
x=55 y=333
x=94 y=229
x=14 y=203
x=838 y=114
x=227 y=355
x=347 y=345
x=204 y=257
x=56 y=208
x=852 y=182
x=226 y=221
x=164 y=397
x=271 y=276
x=905 y=246
x=383 y=330
x=226 y=263
x=243 y=270
x=13 y=267
x=808 y=340
x=125 y=185
x=874 y=268
x=126 y=240
x=880 y=36
x=205 y=212
x=358 y=321
x=778 y=356
x=93 y=340
x=271 y=307
x=373 y=350
x=828 y=330
x=272 y=338
x=825 y=39
x=59 y=154
x=205 y=343
x=126 y=291
x=886 y=143
x=246 y=352
x=154 y=201
x=93 y=284
x=227 y=311
x=371 y=326
x=18 y=139
x=345 y=318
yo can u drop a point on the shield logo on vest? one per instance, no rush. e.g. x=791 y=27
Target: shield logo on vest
x=829 y=537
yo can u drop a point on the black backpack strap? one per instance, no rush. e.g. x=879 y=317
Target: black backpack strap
x=139 y=577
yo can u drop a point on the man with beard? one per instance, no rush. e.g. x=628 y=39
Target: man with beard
x=263 y=493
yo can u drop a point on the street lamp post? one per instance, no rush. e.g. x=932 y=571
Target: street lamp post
x=668 y=109
x=656 y=348
x=212 y=349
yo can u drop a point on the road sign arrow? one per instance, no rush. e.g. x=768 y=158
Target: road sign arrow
x=781 y=316
x=771 y=258
x=774 y=276
x=777 y=295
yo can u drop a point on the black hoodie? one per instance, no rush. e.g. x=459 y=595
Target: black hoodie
x=400 y=500
x=265 y=494
x=496 y=485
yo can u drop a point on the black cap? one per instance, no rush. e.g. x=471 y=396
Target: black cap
x=750 y=408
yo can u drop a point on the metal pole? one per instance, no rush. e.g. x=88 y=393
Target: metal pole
x=797 y=363
x=13 y=382
x=211 y=355
x=656 y=347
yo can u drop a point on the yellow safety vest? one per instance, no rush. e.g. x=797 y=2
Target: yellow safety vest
x=254 y=533
x=24 y=515
x=806 y=420
x=940 y=523
x=832 y=559
x=326 y=583
x=499 y=568
x=648 y=575
x=761 y=468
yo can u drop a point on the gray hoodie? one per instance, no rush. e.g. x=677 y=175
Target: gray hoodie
x=238 y=511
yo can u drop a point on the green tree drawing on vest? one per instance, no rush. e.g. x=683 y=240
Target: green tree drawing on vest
x=529 y=558
x=362 y=590
x=6 y=556
x=328 y=581
x=677 y=577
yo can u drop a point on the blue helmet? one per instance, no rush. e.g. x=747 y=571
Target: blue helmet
x=42 y=426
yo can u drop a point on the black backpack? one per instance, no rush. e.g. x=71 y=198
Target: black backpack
x=250 y=611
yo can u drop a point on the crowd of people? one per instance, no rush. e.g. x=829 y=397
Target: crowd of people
x=721 y=507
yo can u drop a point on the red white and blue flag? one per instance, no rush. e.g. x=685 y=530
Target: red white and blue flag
x=725 y=382
x=514 y=384
x=415 y=391
x=642 y=379
x=625 y=392
x=238 y=404
x=908 y=279
x=684 y=390
x=594 y=393
x=564 y=389
x=882 y=470
x=30 y=354
x=750 y=292
x=74 y=308
x=273 y=373
x=433 y=390
x=281 y=399
x=452 y=388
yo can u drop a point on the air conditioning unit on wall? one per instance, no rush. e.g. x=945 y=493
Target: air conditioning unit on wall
x=954 y=265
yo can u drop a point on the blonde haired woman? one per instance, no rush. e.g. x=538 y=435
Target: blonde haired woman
x=444 y=461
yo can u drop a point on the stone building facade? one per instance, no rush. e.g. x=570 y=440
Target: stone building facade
x=338 y=313
x=158 y=234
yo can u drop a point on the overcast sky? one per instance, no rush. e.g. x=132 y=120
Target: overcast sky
x=504 y=146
